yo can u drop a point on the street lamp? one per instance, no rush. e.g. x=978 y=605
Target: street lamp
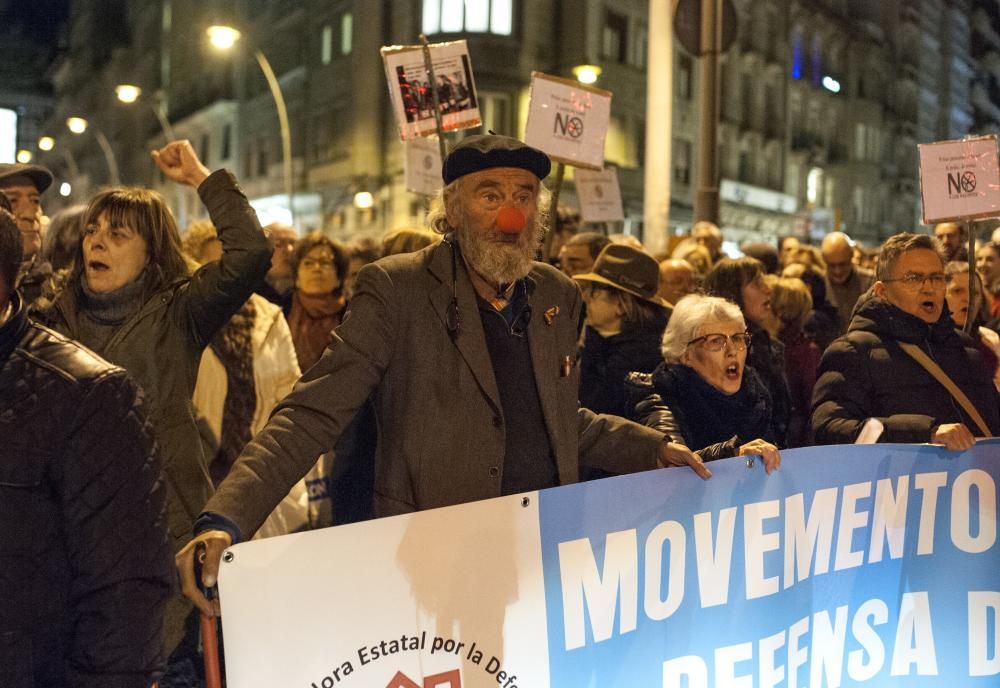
x=24 y=156
x=587 y=74
x=225 y=37
x=78 y=125
x=47 y=143
x=129 y=93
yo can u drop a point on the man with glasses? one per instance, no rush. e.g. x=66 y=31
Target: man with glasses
x=845 y=282
x=23 y=185
x=870 y=373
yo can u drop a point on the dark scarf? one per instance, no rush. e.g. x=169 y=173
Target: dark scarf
x=102 y=314
x=234 y=346
x=311 y=321
x=706 y=415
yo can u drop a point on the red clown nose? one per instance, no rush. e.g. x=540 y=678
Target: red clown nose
x=511 y=220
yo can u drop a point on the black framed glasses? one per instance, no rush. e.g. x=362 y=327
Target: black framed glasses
x=717 y=342
x=913 y=281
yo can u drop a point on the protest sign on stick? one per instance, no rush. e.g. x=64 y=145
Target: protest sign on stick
x=600 y=196
x=413 y=96
x=960 y=182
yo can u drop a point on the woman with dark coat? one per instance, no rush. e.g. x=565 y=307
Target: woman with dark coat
x=703 y=394
x=131 y=298
x=624 y=324
x=741 y=281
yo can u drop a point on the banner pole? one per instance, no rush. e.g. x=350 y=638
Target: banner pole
x=554 y=210
x=973 y=292
x=434 y=95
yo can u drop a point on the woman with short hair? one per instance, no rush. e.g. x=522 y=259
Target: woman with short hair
x=315 y=306
x=741 y=281
x=703 y=394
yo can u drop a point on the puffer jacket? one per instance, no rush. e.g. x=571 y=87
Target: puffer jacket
x=866 y=374
x=86 y=566
x=605 y=361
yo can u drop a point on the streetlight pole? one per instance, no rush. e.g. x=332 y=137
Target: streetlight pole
x=224 y=38
x=78 y=125
x=128 y=94
x=286 y=133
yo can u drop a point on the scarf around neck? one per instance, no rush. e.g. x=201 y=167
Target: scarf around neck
x=311 y=320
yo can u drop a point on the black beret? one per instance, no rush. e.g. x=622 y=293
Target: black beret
x=39 y=176
x=485 y=151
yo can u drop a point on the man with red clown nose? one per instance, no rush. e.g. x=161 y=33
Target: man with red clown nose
x=467 y=350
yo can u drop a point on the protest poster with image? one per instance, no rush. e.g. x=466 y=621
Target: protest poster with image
x=411 y=94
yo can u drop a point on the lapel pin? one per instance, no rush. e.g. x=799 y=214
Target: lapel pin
x=550 y=314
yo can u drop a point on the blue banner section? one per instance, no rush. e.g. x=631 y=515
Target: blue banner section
x=850 y=566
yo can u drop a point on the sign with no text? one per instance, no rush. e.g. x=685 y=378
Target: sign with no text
x=568 y=121
x=960 y=180
x=600 y=196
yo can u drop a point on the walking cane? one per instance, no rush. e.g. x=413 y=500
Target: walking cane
x=209 y=629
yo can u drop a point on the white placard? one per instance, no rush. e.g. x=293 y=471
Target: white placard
x=599 y=194
x=423 y=165
x=960 y=180
x=568 y=121
x=409 y=88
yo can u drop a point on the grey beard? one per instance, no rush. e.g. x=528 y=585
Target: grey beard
x=496 y=262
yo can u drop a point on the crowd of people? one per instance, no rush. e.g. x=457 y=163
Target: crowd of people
x=173 y=393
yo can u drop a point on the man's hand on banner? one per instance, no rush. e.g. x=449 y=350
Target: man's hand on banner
x=673 y=454
x=954 y=436
x=766 y=451
x=214 y=543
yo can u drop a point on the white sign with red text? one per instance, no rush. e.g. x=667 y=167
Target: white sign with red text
x=568 y=121
x=960 y=180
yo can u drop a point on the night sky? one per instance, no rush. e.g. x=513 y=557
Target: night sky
x=30 y=38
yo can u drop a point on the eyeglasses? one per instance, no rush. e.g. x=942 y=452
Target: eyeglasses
x=321 y=264
x=717 y=342
x=914 y=280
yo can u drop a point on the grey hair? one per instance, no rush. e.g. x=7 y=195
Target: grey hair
x=437 y=216
x=690 y=313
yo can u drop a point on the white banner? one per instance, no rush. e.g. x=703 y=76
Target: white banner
x=423 y=165
x=568 y=121
x=599 y=194
x=411 y=94
x=960 y=180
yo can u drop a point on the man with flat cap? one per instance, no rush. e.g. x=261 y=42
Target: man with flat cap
x=23 y=186
x=467 y=351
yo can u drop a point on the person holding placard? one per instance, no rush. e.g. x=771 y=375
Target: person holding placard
x=467 y=352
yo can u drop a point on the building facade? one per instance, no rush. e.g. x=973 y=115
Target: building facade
x=822 y=101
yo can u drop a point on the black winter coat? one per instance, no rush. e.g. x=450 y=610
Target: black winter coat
x=86 y=567
x=767 y=357
x=604 y=363
x=865 y=374
x=677 y=402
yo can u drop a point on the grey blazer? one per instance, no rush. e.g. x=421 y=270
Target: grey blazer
x=440 y=421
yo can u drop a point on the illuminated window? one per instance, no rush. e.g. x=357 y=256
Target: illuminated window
x=473 y=16
x=346 y=33
x=326 y=44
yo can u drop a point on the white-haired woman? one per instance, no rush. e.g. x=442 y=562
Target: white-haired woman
x=704 y=395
